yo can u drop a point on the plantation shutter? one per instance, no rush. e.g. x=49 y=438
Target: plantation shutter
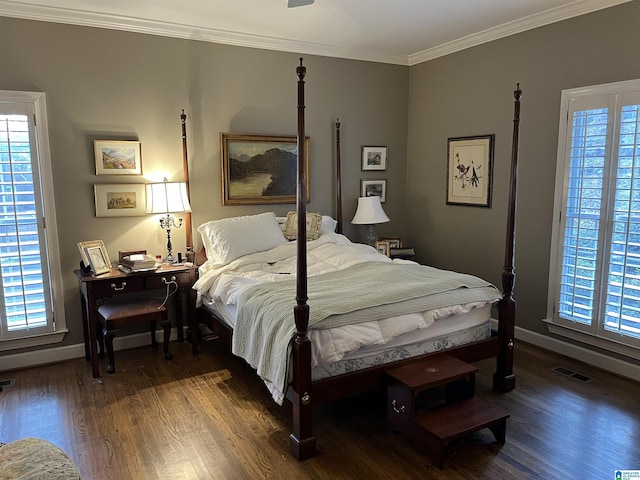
x=25 y=303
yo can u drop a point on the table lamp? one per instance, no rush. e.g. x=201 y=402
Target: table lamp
x=168 y=197
x=370 y=212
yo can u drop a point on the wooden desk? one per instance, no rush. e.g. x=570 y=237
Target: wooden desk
x=94 y=290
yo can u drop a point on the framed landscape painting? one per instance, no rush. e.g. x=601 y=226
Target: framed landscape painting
x=260 y=169
x=117 y=157
x=120 y=200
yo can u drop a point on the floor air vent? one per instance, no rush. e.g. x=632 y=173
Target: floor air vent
x=5 y=383
x=565 y=372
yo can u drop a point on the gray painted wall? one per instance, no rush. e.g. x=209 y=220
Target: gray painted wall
x=104 y=84
x=471 y=93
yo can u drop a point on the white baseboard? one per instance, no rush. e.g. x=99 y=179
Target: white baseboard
x=58 y=354
x=68 y=352
x=597 y=359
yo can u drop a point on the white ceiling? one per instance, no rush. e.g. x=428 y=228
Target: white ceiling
x=404 y=32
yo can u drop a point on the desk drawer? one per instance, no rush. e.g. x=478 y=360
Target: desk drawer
x=155 y=281
x=117 y=286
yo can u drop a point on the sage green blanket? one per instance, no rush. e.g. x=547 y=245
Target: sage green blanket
x=363 y=292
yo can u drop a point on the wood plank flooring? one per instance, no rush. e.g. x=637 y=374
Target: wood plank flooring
x=209 y=417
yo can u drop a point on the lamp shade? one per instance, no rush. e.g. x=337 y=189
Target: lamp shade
x=369 y=211
x=167 y=197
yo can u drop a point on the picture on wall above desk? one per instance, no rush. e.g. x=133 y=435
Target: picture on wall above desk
x=374 y=188
x=120 y=200
x=374 y=158
x=117 y=157
x=469 y=162
x=260 y=169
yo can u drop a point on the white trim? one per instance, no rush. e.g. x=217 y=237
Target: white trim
x=70 y=352
x=604 y=362
x=9 y=8
x=553 y=15
x=34 y=341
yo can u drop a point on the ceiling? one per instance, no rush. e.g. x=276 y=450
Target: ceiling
x=404 y=32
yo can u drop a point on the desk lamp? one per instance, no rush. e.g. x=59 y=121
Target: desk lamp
x=370 y=212
x=168 y=197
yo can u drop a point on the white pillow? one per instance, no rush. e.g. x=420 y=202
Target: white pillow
x=328 y=225
x=230 y=238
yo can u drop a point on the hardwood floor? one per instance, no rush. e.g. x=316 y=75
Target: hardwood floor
x=209 y=417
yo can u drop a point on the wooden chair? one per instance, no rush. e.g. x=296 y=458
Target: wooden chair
x=117 y=313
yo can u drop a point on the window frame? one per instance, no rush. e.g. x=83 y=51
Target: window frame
x=608 y=95
x=37 y=100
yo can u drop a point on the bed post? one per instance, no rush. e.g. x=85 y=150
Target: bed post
x=338 y=180
x=503 y=378
x=185 y=168
x=302 y=443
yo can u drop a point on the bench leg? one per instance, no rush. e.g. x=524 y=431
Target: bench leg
x=109 y=334
x=166 y=325
x=152 y=327
x=100 y=339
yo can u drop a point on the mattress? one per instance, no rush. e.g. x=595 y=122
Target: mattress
x=447 y=332
x=336 y=347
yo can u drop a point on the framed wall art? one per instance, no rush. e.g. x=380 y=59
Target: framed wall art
x=260 y=169
x=469 y=163
x=117 y=157
x=372 y=188
x=374 y=158
x=120 y=200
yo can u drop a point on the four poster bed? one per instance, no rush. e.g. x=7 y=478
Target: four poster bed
x=342 y=347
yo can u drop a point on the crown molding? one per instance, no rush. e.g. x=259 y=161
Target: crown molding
x=9 y=8
x=541 y=19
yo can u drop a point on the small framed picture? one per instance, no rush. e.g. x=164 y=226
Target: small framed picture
x=374 y=158
x=382 y=246
x=94 y=254
x=117 y=157
x=374 y=188
x=120 y=200
x=393 y=242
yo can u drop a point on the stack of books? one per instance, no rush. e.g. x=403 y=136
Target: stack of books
x=137 y=263
x=405 y=252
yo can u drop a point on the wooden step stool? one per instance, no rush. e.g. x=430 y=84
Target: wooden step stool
x=432 y=403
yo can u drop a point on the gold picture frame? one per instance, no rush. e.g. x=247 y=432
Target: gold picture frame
x=260 y=169
x=94 y=254
x=382 y=246
x=117 y=157
x=394 y=242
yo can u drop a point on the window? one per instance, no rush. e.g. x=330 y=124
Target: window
x=595 y=261
x=30 y=284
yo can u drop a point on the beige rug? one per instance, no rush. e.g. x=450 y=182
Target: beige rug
x=35 y=459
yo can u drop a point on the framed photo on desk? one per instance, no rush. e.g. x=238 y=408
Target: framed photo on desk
x=94 y=254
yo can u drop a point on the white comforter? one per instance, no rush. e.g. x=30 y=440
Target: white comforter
x=223 y=284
